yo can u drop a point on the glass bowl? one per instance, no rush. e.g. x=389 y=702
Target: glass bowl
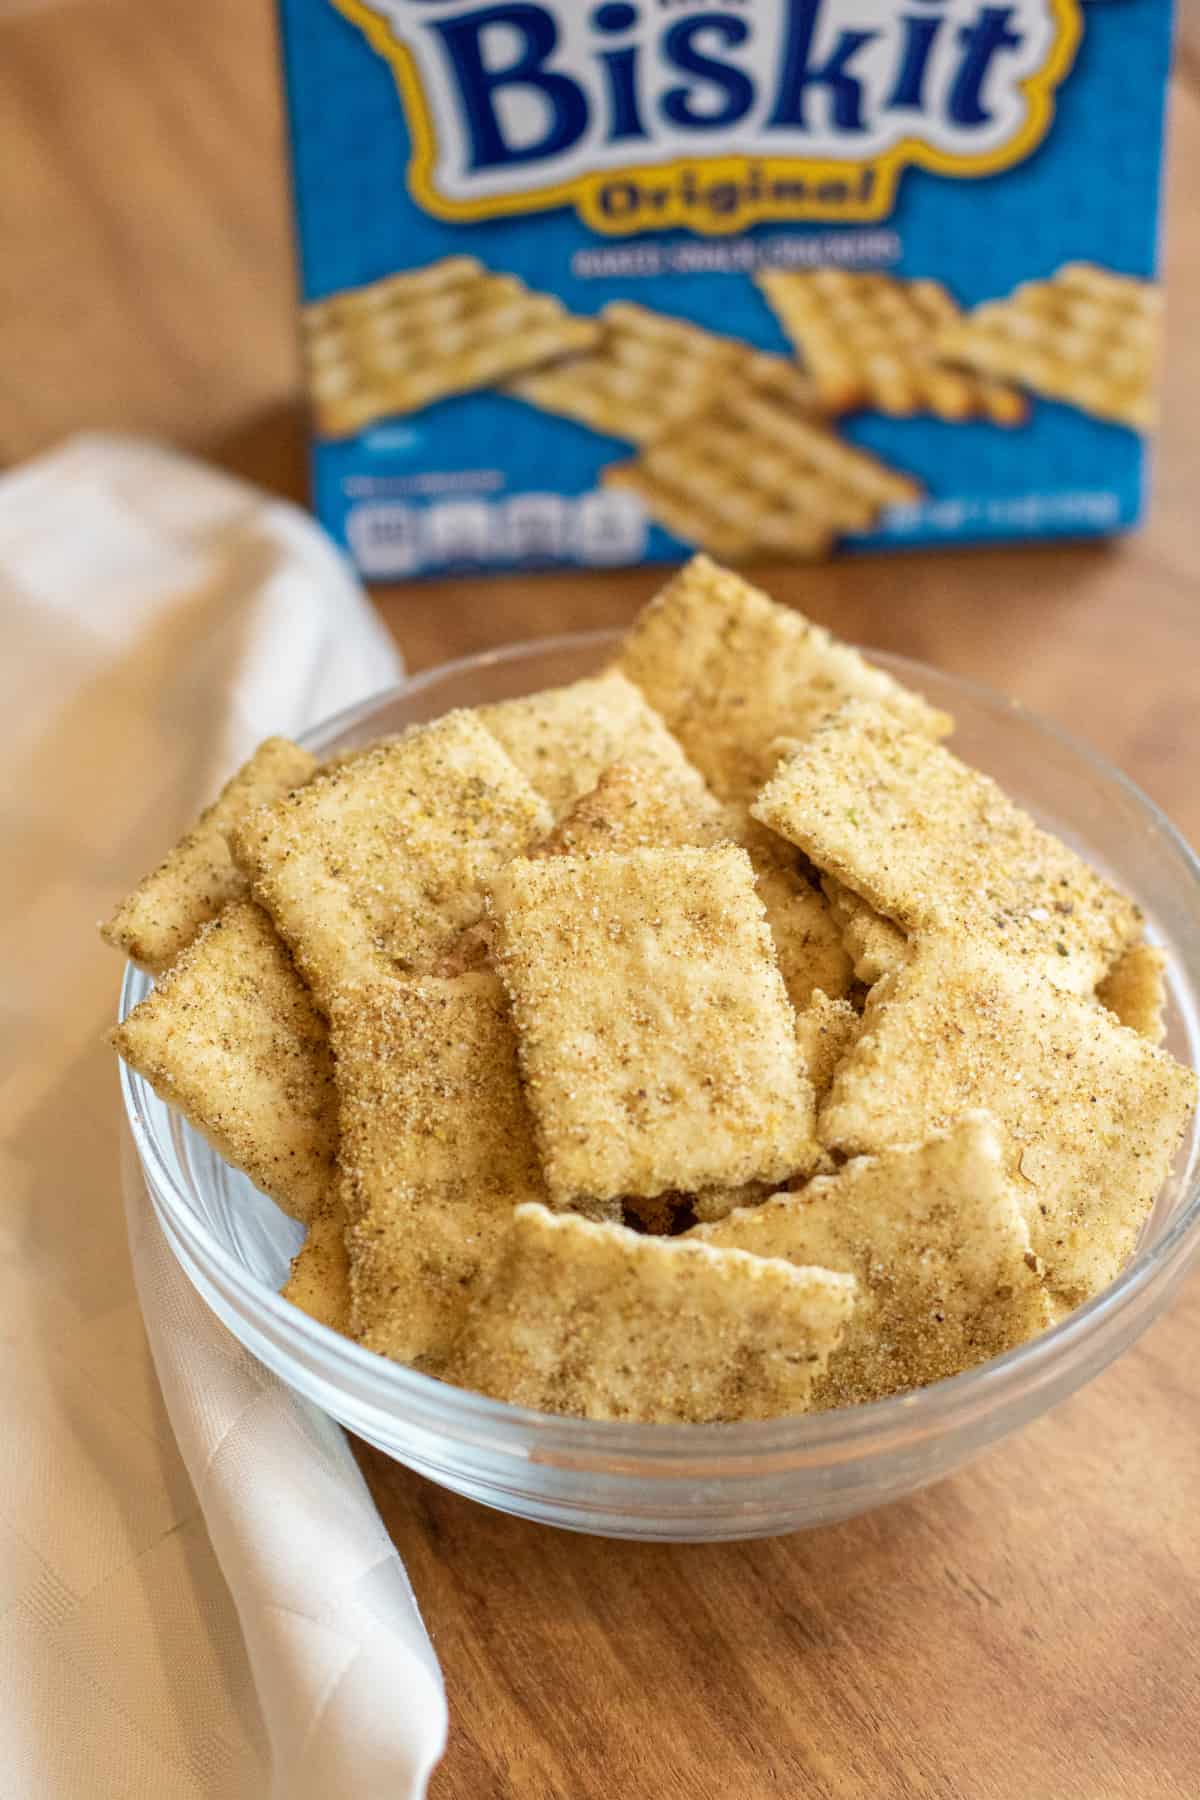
x=692 y=1482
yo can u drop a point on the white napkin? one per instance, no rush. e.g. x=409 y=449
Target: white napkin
x=158 y=619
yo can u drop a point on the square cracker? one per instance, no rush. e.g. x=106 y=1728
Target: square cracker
x=731 y=671
x=607 y=1324
x=377 y=865
x=195 y=880
x=639 y=808
x=396 y=345
x=1135 y=990
x=651 y=371
x=928 y=840
x=751 y=476
x=563 y=738
x=656 y=1039
x=936 y=1238
x=1092 y=1114
x=231 y=1037
x=437 y=1146
x=1087 y=336
x=870 y=339
x=319 y=1283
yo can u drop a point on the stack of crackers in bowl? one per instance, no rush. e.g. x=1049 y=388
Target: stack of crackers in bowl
x=700 y=1041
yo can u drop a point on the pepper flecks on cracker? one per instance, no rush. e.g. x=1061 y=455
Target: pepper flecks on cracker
x=936 y=1238
x=605 y=1323
x=166 y=910
x=633 y=807
x=436 y=1148
x=656 y=1038
x=731 y=671
x=1092 y=1113
x=378 y=865
x=563 y=738
x=927 y=840
x=231 y=1037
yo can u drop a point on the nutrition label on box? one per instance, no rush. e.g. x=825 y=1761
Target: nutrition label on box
x=595 y=284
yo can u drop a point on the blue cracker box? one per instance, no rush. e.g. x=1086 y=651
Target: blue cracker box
x=598 y=281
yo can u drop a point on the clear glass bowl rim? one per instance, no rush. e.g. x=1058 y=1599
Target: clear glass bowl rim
x=769 y=1446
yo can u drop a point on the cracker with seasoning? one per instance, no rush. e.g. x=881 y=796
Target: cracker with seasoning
x=927 y=840
x=608 y=1324
x=1092 y=1114
x=437 y=1148
x=198 y=877
x=634 y=808
x=731 y=671
x=231 y=1037
x=378 y=865
x=563 y=738
x=656 y=1039
x=935 y=1236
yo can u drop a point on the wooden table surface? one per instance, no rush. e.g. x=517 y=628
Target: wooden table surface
x=1026 y=1631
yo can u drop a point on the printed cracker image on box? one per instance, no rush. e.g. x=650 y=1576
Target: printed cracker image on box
x=599 y=283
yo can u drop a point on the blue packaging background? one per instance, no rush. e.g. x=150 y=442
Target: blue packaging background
x=1088 y=193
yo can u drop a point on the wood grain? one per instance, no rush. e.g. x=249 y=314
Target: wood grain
x=1025 y=1631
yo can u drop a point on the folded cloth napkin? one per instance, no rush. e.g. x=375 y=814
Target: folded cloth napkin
x=158 y=620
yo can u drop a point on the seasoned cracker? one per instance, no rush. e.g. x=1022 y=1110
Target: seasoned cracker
x=437 y=1147
x=928 y=841
x=657 y=1042
x=1086 y=336
x=1092 y=1113
x=633 y=807
x=731 y=671
x=604 y=1323
x=752 y=477
x=870 y=340
x=649 y=372
x=934 y=1235
x=377 y=866
x=874 y=945
x=1135 y=989
x=231 y=1037
x=198 y=877
x=319 y=1283
x=399 y=344
x=826 y=1030
x=562 y=739
x=808 y=945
